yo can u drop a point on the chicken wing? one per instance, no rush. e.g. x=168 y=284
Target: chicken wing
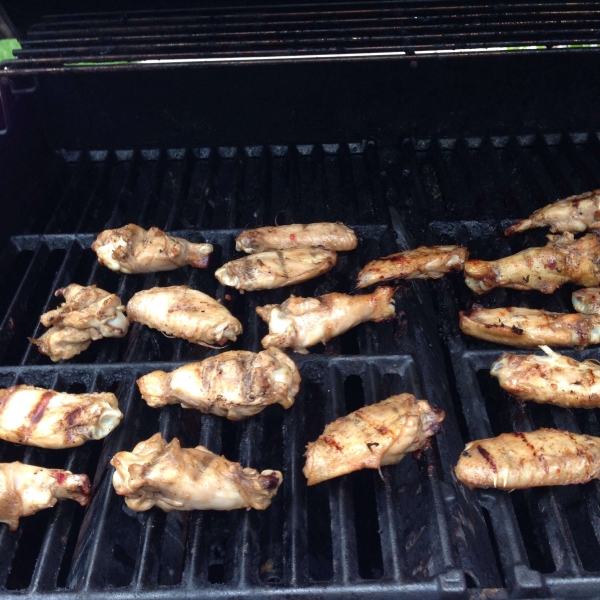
x=587 y=301
x=529 y=328
x=25 y=490
x=234 y=384
x=185 y=313
x=302 y=322
x=371 y=437
x=563 y=260
x=331 y=236
x=518 y=460
x=47 y=419
x=131 y=249
x=425 y=262
x=575 y=214
x=88 y=313
x=551 y=379
x=176 y=478
x=276 y=268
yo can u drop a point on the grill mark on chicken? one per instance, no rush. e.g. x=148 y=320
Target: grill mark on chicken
x=488 y=458
x=38 y=412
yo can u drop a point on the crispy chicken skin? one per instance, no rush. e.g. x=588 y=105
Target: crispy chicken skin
x=47 y=419
x=575 y=214
x=529 y=328
x=331 y=236
x=235 y=385
x=563 y=260
x=276 y=268
x=425 y=262
x=518 y=460
x=87 y=314
x=371 y=437
x=185 y=313
x=26 y=489
x=587 y=301
x=131 y=249
x=551 y=379
x=302 y=322
x=176 y=478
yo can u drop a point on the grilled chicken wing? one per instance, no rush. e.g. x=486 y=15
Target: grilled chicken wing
x=518 y=460
x=25 y=490
x=185 y=313
x=425 y=262
x=587 y=301
x=131 y=249
x=575 y=214
x=87 y=314
x=176 y=478
x=276 y=268
x=551 y=379
x=234 y=384
x=529 y=328
x=332 y=236
x=47 y=419
x=302 y=322
x=371 y=437
x=563 y=260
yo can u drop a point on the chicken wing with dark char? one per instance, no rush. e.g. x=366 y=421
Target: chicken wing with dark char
x=563 y=260
x=552 y=379
x=26 y=489
x=176 y=478
x=425 y=262
x=234 y=384
x=519 y=460
x=574 y=214
x=371 y=437
x=331 y=236
x=529 y=328
x=131 y=249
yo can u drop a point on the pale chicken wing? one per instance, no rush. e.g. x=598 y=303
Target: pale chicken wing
x=234 y=384
x=587 y=301
x=276 y=268
x=563 y=260
x=87 y=314
x=26 y=489
x=47 y=419
x=185 y=313
x=176 y=478
x=517 y=460
x=575 y=214
x=425 y=262
x=131 y=249
x=302 y=322
x=331 y=236
x=529 y=328
x=371 y=437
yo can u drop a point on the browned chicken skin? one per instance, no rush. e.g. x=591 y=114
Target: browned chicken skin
x=529 y=328
x=131 y=249
x=587 y=301
x=575 y=214
x=331 y=236
x=25 y=490
x=563 y=260
x=371 y=437
x=425 y=262
x=518 y=460
x=88 y=314
x=176 y=478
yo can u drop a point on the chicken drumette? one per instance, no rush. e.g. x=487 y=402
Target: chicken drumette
x=131 y=249
x=88 y=314
x=371 y=437
x=587 y=301
x=25 y=490
x=176 y=478
x=234 y=384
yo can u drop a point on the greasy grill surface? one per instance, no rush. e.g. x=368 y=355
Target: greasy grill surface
x=414 y=533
